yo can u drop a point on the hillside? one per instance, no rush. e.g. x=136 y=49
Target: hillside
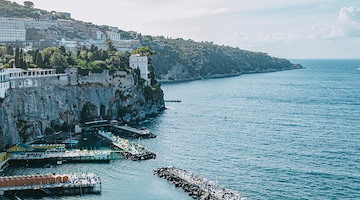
x=175 y=59
x=181 y=60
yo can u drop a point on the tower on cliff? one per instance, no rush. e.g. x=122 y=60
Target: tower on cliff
x=141 y=62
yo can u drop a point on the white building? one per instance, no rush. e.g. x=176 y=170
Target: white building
x=141 y=62
x=114 y=36
x=12 y=30
x=4 y=82
x=71 y=45
x=20 y=78
x=126 y=45
x=64 y=15
x=99 y=35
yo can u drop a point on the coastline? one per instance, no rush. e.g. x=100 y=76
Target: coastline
x=214 y=76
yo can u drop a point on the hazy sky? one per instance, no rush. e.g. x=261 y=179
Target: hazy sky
x=282 y=28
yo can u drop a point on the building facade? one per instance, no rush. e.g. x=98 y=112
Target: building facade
x=4 y=82
x=141 y=62
x=20 y=78
x=114 y=36
x=40 y=24
x=120 y=79
x=12 y=30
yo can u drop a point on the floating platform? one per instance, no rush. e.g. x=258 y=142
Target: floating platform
x=195 y=186
x=50 y=184
x=129 y=150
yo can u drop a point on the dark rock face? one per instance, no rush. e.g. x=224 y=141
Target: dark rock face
x=26 y=113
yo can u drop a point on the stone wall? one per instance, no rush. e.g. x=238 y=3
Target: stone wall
x=120 y=79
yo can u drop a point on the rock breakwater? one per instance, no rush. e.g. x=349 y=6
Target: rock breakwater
x=195 y=186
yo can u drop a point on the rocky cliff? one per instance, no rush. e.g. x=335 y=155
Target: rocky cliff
x=26 y=113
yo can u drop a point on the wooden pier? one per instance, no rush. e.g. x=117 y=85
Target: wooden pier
x=128 y=149
x=50 y=184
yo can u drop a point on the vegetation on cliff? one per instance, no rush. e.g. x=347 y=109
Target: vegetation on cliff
x=92 y=59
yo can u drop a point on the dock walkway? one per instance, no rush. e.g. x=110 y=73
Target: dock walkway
x=143 y=133
x=128 y=149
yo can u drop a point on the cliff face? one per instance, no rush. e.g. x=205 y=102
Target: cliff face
x=26 y=113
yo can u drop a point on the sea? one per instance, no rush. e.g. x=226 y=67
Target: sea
x=283 y=135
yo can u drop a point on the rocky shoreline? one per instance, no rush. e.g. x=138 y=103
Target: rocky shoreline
x=164 y=80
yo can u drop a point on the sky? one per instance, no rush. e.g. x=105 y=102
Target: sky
x=281 y=28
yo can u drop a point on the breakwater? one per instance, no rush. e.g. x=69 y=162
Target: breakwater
x=129 y=150
x=195 y=186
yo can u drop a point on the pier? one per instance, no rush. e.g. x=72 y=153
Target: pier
x=74 y=156
x=195 y=186
x=51 y=184
x=129 y=150
x=139 y=132
x=143 y=133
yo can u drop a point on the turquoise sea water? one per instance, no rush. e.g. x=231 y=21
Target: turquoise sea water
x=284 y=135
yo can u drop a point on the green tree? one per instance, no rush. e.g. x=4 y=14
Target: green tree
x=144 y=51
x=28 y=4
x=39 y=61
x=58 y=62
x=110 y=46
x=63 y=50
x=17 y=57
x=2 y=51
x=9 y=50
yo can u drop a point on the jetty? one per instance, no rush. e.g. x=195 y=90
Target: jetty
x=195 y=186
x=129 y=150
x=116 y=126
x=50 y=184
